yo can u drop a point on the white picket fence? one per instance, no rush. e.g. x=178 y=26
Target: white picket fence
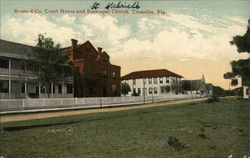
x=64 y=103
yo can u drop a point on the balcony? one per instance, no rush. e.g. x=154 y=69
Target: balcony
x=4 y=71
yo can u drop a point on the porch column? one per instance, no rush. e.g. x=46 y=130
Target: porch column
x=39 y=90
x=63 y=89
x=25 y=88
x=51 y=89
x=9 y=78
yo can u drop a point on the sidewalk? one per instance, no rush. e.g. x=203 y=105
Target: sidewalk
x=41 y=115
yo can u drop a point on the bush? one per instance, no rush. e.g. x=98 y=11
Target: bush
x=212 y=99
x=135 y=94
x=175 y=143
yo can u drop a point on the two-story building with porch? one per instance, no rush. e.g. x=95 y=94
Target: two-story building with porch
x=18 y=80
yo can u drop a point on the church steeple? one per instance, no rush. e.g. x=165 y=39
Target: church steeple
x=203 y=79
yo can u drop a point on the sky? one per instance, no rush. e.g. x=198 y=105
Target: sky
x=190 y=39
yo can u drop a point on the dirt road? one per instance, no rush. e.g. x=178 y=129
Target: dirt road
x=40 y=115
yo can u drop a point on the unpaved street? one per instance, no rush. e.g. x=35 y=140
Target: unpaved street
x=40 y=115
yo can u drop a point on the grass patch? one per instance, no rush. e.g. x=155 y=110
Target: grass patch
x=212 y=130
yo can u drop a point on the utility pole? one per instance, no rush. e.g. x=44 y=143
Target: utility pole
x=144 y=90
x=152 y=95
x=191 y=89
x=229 y=88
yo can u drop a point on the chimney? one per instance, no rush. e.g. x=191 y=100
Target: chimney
x=74 y=44
x=99 y=50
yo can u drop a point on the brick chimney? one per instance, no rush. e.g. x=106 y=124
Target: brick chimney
x=74 y=43
x=99 y=49
x=73 y=47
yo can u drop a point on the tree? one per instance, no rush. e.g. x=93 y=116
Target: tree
x=88 y=81
x=186 y=85
x=125 y=88
x=240 y=68
x=49 y=64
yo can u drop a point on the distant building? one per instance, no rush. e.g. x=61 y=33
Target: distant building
x=198 y=86
x=153 y=82
x=209 y=89
x=95 y=76
x=246 y=92
x=18 y=80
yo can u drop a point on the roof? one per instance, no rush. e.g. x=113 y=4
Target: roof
x=16 y=50
x=196 y=84
x=150 y=74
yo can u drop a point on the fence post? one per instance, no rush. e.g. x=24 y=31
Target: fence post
x=44 y=101
x=100 y=102
x=152 y=98
x=75 y=100
x=61 y=102
x=83 y=101
x=23 y=103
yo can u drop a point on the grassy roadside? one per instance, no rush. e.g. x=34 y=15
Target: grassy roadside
x=188 y=130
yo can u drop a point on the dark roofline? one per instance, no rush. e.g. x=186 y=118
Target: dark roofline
x=191 y=80
x=150 y=74
x=16 y=43
x=16 y=50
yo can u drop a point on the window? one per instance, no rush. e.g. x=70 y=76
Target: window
x=4 y=86
x=248 y=91
x=134 y=81
x=104 y=73
x=134 y=90
x=144 y=81
x=162 y=89
x=69 y=88
x=167 y=89
x=155 y=80
x=43 y=89
x=150 y=90
x=59 y=88
x=139 y=90
x=54 y=88
x=150 y=81
x=23 y=88
x=114 y=75
x=49 y=89
x=173 y=80
x=167 y=80
x=161 y=80
x=114 y=89
x=155 y=90
x=4 y=63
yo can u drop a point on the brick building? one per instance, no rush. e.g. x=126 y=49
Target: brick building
x=94 y=75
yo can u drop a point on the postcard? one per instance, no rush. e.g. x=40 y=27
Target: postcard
x=126 y=54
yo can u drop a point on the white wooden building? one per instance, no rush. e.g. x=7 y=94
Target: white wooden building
x=153 y=82
x=18 y=80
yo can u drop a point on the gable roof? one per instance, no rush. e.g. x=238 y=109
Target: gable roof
x=89 y=45
x=16 y=50
x=150 y=74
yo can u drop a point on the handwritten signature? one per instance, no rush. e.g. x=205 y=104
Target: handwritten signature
x=117 y=5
